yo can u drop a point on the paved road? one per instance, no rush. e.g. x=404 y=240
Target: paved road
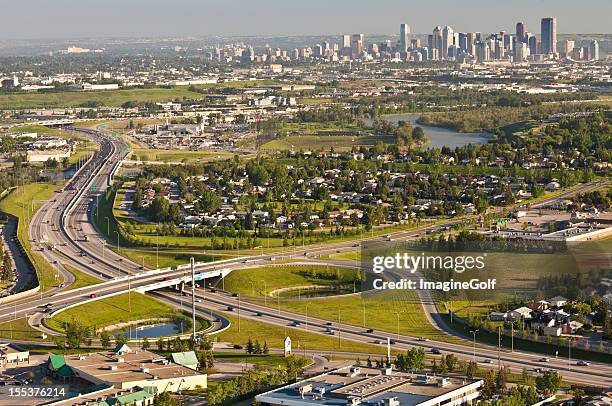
x=597 y=374
x=66 y=220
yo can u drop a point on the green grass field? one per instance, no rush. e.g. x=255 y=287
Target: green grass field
x=338 y=142
x=250 y=282
x=82 y=279
x=20 y=203
x=378 y=308
x=113 y=310
x=19 y=330
x=381 y=312
x=157 y=155
x=111 y=98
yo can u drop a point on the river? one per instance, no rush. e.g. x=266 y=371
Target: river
x=439 y=137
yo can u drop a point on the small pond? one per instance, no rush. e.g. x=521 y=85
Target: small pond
x=149 y=331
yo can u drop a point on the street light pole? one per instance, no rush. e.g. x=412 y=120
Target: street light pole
x=364 y=312
x=239 y=312
x=474 y=351
x=157 y=243
x=265 y=292
x=398 y=324
x=307 y=304
x=129 y=294
x=118 y=252
x=569 y=353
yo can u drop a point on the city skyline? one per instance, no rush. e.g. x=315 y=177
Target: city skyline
x=70 y=19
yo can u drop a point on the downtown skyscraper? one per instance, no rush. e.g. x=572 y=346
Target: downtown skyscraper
x=548 y=33
x=404 y=40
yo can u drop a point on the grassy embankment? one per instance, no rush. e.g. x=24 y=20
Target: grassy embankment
x=257 y=282
x=115 y=309
x=82 y=279
x=20 y=203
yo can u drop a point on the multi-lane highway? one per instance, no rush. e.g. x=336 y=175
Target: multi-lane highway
x=61 y=225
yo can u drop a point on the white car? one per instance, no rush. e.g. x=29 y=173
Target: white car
x=422 y=339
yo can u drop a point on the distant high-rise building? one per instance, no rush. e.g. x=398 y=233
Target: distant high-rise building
x=346 y=41
x=549 y=35
x=483 y=52
x=532 y=41
x=520 y=31
x=436 y=42
x=357 y=45
x=317 y=50
x=568 y=48
x=499 y=50
x=521 y=51
x=346 y=45
x=471 y=42
x=404 y=40
x=594 y=50
x=447 y=40
x=463 y=41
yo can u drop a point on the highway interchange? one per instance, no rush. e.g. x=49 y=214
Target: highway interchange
x=58 y=232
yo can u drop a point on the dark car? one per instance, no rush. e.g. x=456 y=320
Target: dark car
x=436 y=351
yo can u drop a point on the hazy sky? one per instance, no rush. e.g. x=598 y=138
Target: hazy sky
x=113 y=18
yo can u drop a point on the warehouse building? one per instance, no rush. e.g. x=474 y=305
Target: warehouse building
x=355 y=385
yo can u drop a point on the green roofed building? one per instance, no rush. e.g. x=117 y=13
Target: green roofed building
x=126 y=376
x=187 y=359
x=56 y=364
x=142 y=397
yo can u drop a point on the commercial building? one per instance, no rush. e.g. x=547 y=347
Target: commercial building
x=126 y=371
x=357 y=45
x=353 y=385
x=404 y=40
x=594 y=50
x=520 y=31
x=549 y=35
x=12 y=355
x=447 y=41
